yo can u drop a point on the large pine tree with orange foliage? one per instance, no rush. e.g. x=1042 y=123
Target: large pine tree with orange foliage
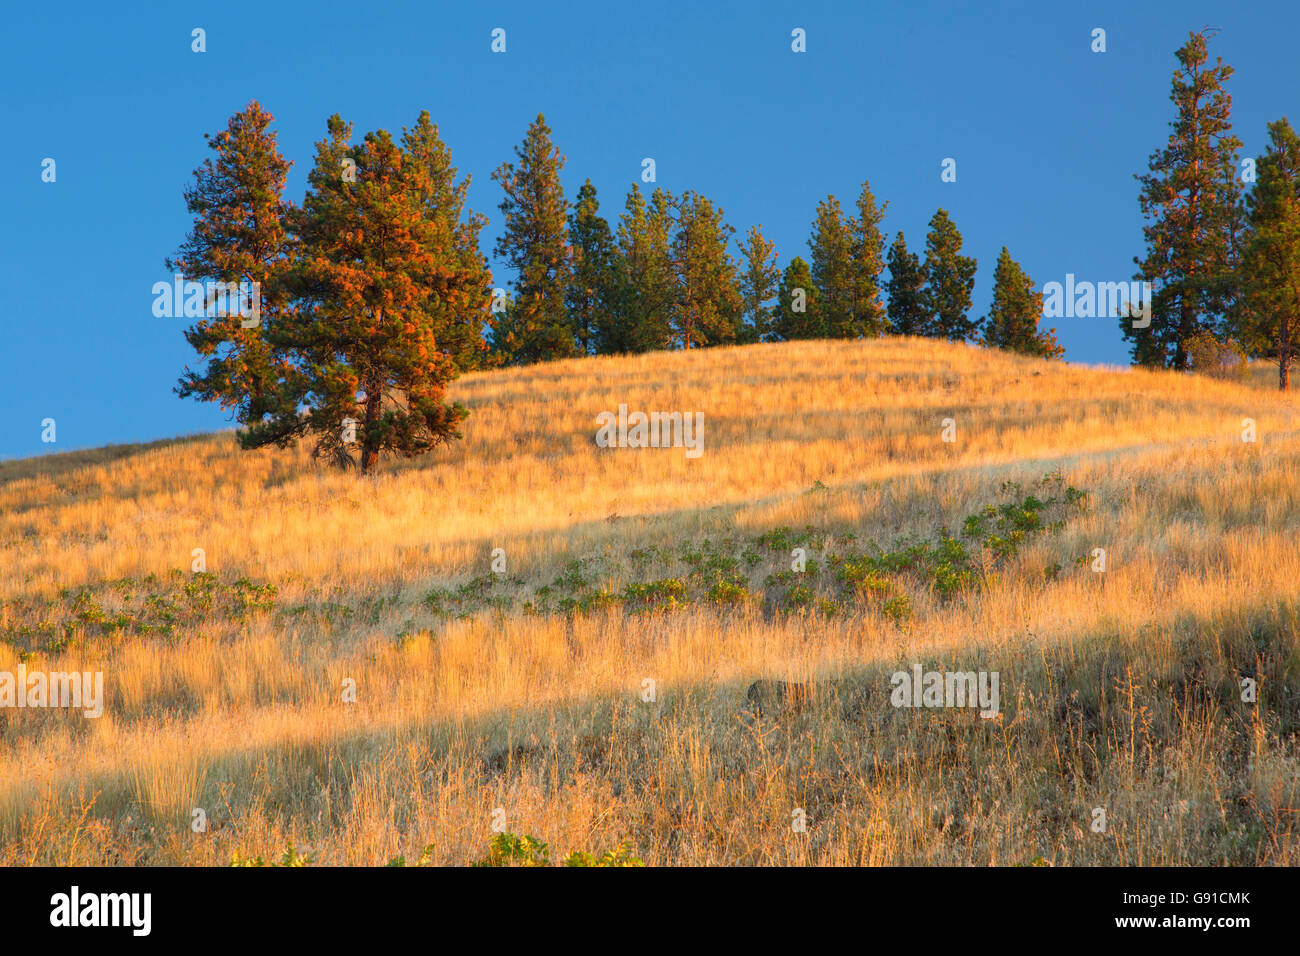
x=392 y=290
x=374 y=293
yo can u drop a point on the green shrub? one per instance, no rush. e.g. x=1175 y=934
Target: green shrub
x=728 y=592
x=656 y=595
x=509 y=849
x=620 y=856
x=290 y=857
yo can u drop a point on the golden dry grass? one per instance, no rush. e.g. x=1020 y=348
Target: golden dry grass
x=1119 y=690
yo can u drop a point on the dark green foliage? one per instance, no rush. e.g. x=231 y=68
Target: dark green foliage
x=535 y=243
x=1268 y=322
x=907 y=310
x=593 y=291
x=645 y=294
x=707 y=308
x=798 y=309
x=759 y=285
x=949 y=280
x=832 y=270
x=1012 y=322
x=869 y=315
x=847 y=259
x=241 y=232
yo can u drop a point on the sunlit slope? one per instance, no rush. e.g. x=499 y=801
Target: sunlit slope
x=524 y=690
x=865 y=420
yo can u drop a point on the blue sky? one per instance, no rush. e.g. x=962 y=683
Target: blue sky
x=1047 y=136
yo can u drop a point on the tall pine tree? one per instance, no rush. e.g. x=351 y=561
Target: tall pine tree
x=1190 y=199
x=1012 y=322
x=833 y=272
x=707 y=308
x=949 y=280
x=384 y=276
x=240 y=234
x=759 y=283
x=869 y=314
x=454 y=298
x=799 y=306
x=1269 y=324
x=534 y=242
x=640 y=318
x=593 y=288
x=907 y=310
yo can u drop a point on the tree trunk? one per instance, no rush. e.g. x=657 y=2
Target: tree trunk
x=372 y=414
x=1284 y=355
x=369 y=454
x=1186 y=326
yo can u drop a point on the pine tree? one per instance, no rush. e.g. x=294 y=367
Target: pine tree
x=1012 y=322
x=759 y=283
x=1270 y=321
x=906 y=288
x=707 y=307
x=640 y=319
x=1190 y=199
x=832 y=269
x=799 y=306
x=535 y=243
x=869 y=315
x=949 y=280
x=240 y=234
x=382 y=277
x=455 y=296
x=593 y=290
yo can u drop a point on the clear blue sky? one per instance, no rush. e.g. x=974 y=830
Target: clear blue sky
x=1047 y=136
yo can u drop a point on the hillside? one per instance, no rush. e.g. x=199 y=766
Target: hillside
x=524 y=690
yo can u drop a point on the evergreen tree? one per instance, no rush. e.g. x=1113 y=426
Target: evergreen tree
x=593 y=281
x=833 y=270
x=454 y=298
x=798 y=309
x=869 y=315
x=949 y=280
x=1012 y=322
x=1269 y=324
x=707 y=307
x=534 y=242
x=240 y=234
x=907 y=310
x=759 y=283
x=1191 y=201
x=644 y=290
x=383 y=275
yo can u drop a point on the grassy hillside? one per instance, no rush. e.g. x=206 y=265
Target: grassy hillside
x=524 y=690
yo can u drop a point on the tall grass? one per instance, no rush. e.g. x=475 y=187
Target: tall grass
x=475 y=691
